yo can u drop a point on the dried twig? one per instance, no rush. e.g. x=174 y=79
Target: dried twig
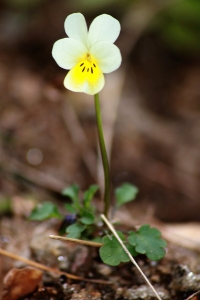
x=48 y=269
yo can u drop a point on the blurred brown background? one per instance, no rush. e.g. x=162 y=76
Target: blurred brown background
x=151 y=105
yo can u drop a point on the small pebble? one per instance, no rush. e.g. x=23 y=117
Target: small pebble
x=184 y=279
x=142 y=292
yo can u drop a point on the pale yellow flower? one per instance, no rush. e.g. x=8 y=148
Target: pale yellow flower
x=88 y=53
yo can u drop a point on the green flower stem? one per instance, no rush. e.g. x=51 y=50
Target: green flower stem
x=103 y=156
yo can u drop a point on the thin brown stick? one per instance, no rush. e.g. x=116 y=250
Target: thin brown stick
x=48 y=269
x=82 y=242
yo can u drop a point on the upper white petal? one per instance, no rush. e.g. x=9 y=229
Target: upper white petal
x=107 y=56
x=68 y=52
x=76 y=27
x=103 y=28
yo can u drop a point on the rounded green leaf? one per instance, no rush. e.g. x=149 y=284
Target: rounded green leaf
x=125 y=193
x=112 y=252
x=45 y=211
x=87 y=218
x=89 y=194
x=69 y=207
x=75 y=230
x=148 y=241
x=72 y=192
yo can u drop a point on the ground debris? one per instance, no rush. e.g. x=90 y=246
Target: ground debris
x=184 y=279
x=21 y=282
x=85 y=294
x=70 y=257
x=142 y=292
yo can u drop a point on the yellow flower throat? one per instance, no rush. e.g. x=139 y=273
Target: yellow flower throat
x=86 y=70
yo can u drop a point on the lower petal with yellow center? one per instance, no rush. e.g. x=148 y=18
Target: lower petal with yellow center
x=85 y=77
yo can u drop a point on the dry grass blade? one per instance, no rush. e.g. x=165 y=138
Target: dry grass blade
x=193 y=295
x=128 y=253
x=82 y=242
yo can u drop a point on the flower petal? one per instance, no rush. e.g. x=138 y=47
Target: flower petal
x=68 y=52
x=86 y=78
x=107 y=56
x=103 y=28
x=76 y=27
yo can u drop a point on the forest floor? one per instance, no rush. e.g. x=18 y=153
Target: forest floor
x=48 y=141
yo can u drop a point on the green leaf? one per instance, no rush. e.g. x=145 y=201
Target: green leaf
x=98 y=239
x=147 y=241
x=89 y=194
x=72 y=192
x=125 y=193
x=45 y=211
x=112 y=252
x=70 y=208
x=87 y=218
x=75 y=230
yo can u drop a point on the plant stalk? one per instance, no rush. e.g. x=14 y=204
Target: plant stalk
x=103 y=156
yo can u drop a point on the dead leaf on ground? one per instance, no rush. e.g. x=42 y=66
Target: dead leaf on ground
x=21 y=282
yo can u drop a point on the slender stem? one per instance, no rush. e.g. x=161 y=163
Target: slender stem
x=103 y=156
